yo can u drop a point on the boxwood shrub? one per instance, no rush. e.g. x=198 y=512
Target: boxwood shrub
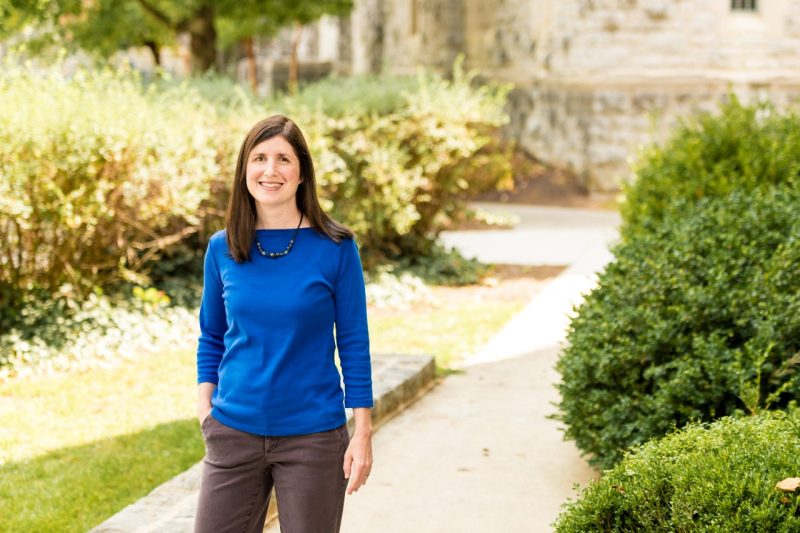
x=698 y=319
x=741 y=147
x=717 y=477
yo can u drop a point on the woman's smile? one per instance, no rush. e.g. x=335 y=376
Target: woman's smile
x=273 y=172
x=270 y=185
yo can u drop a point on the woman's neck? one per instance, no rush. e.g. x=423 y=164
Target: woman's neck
x=278 y=219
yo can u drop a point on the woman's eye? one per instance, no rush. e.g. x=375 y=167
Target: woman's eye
x=285 y=159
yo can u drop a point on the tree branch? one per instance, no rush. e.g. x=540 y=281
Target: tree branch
x=149 y=8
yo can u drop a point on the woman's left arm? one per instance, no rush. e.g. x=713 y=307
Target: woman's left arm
x=358 y=457
x=352 y=340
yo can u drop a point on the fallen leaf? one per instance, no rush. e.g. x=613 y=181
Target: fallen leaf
x=790 y=484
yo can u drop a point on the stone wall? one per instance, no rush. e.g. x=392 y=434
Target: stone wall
x=530 y=39
x=422 y=32
x=676 y=38
x=598 y=78
x=366 y=37
x=594 y=78
x=594 y=129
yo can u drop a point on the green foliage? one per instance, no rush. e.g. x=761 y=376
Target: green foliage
x=694 y=320
x=239 y=19
x=124 y=184
x=58 y=333
x=388 y=289
x=718 y=477
x=364 y=94
x=103 y=27
x=100 y=27
x=397 y=176
x=126 y=170
x=445 y=267
x=230 y=100
x=696 y=317
x=99 y=175
x=739 y=148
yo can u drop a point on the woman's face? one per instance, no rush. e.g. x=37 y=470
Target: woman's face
x=273 y=172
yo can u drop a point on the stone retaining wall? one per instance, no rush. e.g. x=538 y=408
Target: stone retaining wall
x=594 y=129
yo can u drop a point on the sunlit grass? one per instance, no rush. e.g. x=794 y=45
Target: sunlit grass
x=449 y=333
x=77 y=448
x=76 y=487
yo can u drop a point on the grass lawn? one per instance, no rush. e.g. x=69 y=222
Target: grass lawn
x=76 y=448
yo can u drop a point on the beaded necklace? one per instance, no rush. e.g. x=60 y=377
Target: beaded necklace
x=275 y=255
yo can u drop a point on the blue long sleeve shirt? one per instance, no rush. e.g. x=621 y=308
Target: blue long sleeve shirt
x=267 y=334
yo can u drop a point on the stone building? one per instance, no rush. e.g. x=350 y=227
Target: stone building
x=593 y=78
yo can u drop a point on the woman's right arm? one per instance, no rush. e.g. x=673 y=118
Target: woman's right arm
x=213 y=324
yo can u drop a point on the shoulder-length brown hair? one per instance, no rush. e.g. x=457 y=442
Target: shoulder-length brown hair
x=240 y=219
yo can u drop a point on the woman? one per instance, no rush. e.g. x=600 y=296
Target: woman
x=270 y=401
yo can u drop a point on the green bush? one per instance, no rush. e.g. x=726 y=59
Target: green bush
x=718 y=477
x=364 y=94
x=397 y=173
x=56 y=333
x=108 y=181
x=103 y=173
x=99 y=175
x=739 y=148
x=695 y=320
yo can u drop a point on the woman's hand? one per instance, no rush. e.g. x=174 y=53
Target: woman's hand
x=204 y=392
x=202 y=412
x=358 y=456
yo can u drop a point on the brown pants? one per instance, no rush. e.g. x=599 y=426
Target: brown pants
x=239 y=471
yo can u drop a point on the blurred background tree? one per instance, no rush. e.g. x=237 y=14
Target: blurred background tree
x=104 y=27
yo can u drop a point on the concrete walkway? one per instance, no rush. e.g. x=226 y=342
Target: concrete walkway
x=478 y=453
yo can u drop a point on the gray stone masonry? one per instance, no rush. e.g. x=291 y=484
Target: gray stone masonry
x=397 y=381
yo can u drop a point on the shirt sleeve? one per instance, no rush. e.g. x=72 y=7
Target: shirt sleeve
x=352 y=333
x=213 y=322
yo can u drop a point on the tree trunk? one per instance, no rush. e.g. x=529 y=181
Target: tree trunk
x=293 y=67
x=252 y=67
x=203 y=39
x=155 y=50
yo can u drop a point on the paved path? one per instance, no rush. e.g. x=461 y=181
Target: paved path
x=544 y=235
x=477 y=453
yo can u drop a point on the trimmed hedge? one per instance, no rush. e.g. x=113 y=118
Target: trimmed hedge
x=718 y=477
x=697 y=319
x=740 y=148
